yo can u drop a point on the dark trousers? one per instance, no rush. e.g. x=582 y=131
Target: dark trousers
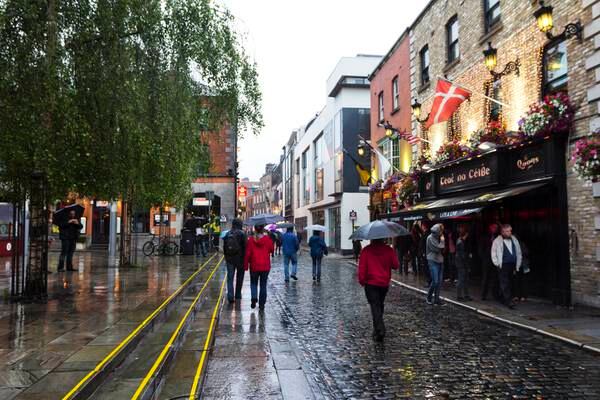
x=316 y=264
x=254 y=283
x=520 y=284
x=376 y=297
x=506 y=276
x=67 y=248
x=201 y=246
x=234 y=272
x=488 y=284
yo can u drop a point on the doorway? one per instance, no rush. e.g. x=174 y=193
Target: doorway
x=100 y=223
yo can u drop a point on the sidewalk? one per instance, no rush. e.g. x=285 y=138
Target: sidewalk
x=579 y=326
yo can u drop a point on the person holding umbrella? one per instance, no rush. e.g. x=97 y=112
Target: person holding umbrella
x=69 y=232
x=375 y=267
x=318 y=248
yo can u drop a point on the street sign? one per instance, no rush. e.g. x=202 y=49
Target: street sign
x=200 y=201
x=223 y=219
x=242 y=191
x=353 y=215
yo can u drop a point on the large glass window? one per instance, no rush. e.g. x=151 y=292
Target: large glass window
x=556 y=68
x=318 y=217
x=380 y=102
x=318 y=184
x=496 y=94
x=452 y=35
x=395 y=94
x=424 y=56
x=305 y=192
x=339 y=172
x=491 y=9
x=390 y=148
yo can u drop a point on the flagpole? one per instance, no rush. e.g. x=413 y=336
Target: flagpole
x=477 y=93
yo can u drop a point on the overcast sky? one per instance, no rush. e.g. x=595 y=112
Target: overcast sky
x=296 y=44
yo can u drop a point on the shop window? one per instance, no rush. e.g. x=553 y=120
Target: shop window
x=452 y=39
x=390 y=148
x=491 y=9
x=424 y=56
x=395 y=94
x=380 y=102
x=318 y=217
x=555 y=68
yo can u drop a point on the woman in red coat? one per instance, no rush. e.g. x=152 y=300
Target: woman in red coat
x=258 y=260
x=374 y=273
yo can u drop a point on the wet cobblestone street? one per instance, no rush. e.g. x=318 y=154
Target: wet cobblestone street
x=429 y=352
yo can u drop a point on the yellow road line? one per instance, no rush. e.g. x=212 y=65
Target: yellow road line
x=196 y=382
x=141 y=326
x=173 y=337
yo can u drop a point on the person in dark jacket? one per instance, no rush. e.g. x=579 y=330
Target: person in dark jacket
x=258 y=261
x=356 y=248
x=69 y=232
x=374 y=273
x=318 y=248
x=234 y=248
x=290 y=245
x=463 y=259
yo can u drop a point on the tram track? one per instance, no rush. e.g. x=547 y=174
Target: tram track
x=105 y=369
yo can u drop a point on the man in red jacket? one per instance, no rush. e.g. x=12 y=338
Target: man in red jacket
x=258 y=260
x=374 y=273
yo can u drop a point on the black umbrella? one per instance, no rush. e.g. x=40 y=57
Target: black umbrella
x=285 y=225
x=264 y=219
x=61 y=217
x=379 y=230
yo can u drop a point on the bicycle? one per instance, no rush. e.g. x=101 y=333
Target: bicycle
x=160 y=246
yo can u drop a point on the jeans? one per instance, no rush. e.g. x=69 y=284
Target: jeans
x=286 y=265
x=317 y=267
x=254 y=278
x=376 y=297
x=67 y=248
x=436 y=272
x=201 y=247
x=238 y=271
x=506 y=276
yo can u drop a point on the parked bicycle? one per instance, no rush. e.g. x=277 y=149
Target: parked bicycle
x=160 y=246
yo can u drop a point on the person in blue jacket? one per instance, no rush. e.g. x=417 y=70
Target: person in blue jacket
x=318 y=248
x=290 y=249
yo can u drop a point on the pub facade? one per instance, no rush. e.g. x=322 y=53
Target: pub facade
x=502 y=157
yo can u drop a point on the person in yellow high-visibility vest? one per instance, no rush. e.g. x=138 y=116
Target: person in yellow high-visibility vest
x=216 y=230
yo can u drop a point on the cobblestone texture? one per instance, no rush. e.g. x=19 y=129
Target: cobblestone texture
x=430 y=352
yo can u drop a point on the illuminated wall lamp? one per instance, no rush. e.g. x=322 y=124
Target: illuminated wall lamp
x=491 y=61
x=545 y=22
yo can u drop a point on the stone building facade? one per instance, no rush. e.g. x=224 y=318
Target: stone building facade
x=516 y=35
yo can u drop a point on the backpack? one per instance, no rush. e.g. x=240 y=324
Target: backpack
x=231 y=245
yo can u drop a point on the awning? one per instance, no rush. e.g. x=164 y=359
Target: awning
x=455 y=207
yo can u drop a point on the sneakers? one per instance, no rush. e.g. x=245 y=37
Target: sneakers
x=439 y=303
x=429 y=302
x=314 y=278
x=253 y=304
x=294 y=277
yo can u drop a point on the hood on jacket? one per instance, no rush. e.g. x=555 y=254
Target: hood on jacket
x=262 y=241
x=436 y=229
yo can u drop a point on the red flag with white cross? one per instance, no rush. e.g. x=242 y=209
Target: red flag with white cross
x=448 y=97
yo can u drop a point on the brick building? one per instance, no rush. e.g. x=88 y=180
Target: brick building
x=447 y=40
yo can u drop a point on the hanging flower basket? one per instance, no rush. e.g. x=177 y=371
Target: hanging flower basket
x=494 y=132
x=406 y=189
x=451 y=151
x=552 y=115
x=586 y=163
x=376 y=186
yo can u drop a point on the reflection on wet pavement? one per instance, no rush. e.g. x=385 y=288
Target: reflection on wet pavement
x=319 y=336
x=95 y=307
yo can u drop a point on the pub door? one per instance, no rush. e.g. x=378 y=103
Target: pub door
x=100 y=224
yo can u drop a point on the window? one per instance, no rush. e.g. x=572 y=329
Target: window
x=380 y=115
x=395 y=94
x=305 y=192
x=556 y=68
x=339 y=172
x=390 y=148
x=318 y=184
x=424 y=53
x=318 y=217
x=452 y=35
x=496 y=94
x=491 y=9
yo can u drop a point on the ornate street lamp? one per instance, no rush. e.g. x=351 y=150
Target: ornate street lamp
x=491 y=61
x=543 y=16
x=416 y=109
x=389 y=129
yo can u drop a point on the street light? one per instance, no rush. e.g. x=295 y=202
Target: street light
x=389 y=129
x=416 y=109
x=361 y=150
x=491 y=61
x=545 y=22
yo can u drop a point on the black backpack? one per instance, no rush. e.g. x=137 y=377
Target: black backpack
x=231 y=245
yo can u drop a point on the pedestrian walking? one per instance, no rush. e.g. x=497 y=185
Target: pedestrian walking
x=413 y=252
x=507 y=257
x=234 y=249
x=435 y=258
x=356 y=249
x=201 y=241
x=68 y=234
x=290 y=246
x=422 y=253
x=258 y=260
x=278 y=242
x=318 y=249
x=374 y=273
x=463 y=259
x=489 y=281
x=402 y=245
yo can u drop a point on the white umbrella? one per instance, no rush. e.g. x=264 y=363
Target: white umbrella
x=316 y=227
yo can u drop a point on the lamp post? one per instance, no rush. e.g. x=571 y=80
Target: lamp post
x=491 y=61
x=416 y=110
x=545 y=21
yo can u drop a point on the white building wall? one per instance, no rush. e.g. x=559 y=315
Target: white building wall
x=357 y=202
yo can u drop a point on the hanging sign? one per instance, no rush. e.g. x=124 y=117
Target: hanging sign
x=242 y=191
